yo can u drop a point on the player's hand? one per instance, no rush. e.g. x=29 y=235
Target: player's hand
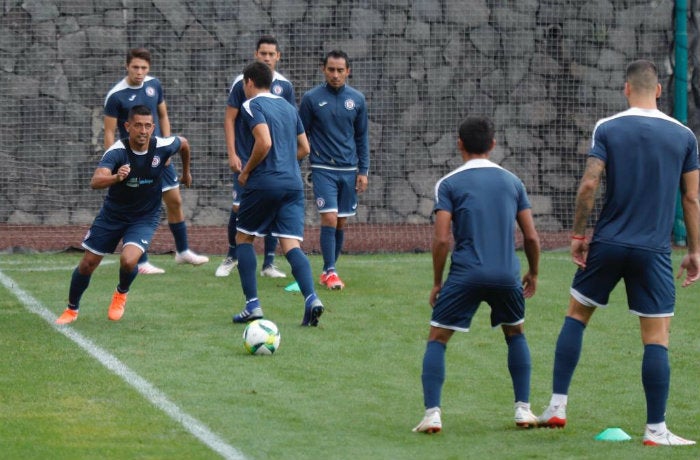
x=529 y=285
x=361 y=183
x=434 y=293
x=235 y=164
x=579 y=253
x=186 y=180
x=243 y=178
x=691 y=264
x=123 y=172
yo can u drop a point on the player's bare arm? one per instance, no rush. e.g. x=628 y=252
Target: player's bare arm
x=263 y=143
x=442 y=238
x=531 y=246
x=303 y=148
x=110 y=127
x=690 y=182
x=585 y=198
x=103 y=177
x=186 y=177
x=163 y=119
x=234 y=162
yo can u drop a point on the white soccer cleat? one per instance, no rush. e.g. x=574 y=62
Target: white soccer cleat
x=665 y=438
x=431 y=422
x=148 y=268
x=226 y=267
x=189 y=257
x=524 y=417
x=553 y=417
x=272 y=272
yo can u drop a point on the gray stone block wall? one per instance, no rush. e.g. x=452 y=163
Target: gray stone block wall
x=545 y=70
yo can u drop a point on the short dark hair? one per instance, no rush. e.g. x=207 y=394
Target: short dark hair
x=139 y=110
x=260 y=73
x=477 y=134
x=267 y=40
x=140 y=53
x=642 y=75
x=337 y=54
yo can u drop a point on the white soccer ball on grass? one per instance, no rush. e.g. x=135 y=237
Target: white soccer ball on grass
x=261 y=337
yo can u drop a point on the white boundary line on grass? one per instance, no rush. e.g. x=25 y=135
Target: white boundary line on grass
x=143 y=386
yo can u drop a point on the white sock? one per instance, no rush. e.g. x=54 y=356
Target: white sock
x=657 y=427
x=558 y=400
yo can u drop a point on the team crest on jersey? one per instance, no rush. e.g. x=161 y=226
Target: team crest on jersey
x=349 y=104
x=320 y=202
x=150 y=92
x=155 y=162
x=277 y=90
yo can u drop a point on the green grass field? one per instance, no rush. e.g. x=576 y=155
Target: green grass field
x=349 y=389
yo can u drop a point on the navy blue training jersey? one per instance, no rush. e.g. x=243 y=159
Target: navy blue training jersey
x=484 y=200
x=280 y=168
x=337 y=126
x=140 y=193
x=645 y=153
x=280 y=87
x=122 y=97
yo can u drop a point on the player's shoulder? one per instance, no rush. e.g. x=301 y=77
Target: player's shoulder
x=121 y=85
x=354 y=91
x=315 y=91
x=276 y=76
x=162 y=142
x=237 y=81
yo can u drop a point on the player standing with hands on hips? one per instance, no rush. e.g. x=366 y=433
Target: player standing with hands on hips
x=335 y=118
x=644 y=155
x=132 y=170
x=477 y=205
x=138 y=88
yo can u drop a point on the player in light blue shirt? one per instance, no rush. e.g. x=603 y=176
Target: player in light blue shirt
x=131 y=170
x=273 y=193
x=267 y=51
x=477 y=206
x=644 y=155
x=335 y=117
x=138 y=88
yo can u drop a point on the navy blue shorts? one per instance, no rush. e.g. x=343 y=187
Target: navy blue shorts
x=169 y=179
x=335 y=191
x=106 y=232
x=457 y=303
x=276 y=212
x=648 y=277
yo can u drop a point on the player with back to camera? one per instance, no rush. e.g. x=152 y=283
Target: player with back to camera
x=273 y=191
x=477 y=205
x=335 y=117
x=632 y=240
x=139 y=88
x=266 y=51
x=132 y=170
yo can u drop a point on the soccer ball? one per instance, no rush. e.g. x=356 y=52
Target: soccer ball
x=261 y=337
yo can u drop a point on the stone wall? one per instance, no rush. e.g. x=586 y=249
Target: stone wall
x=545 y=70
